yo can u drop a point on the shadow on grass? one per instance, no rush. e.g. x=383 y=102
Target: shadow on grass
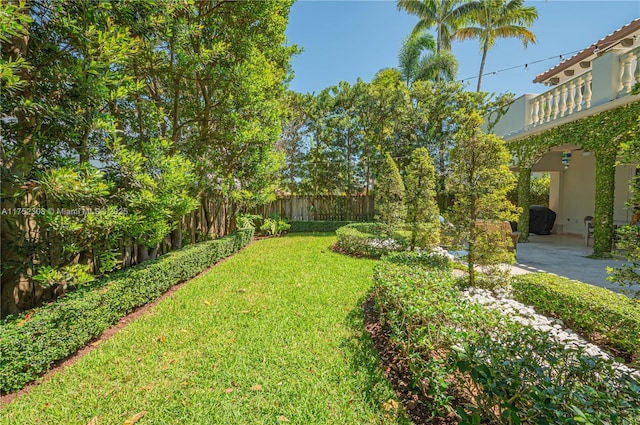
x=365 y=363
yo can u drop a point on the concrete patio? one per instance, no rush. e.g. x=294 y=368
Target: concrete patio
x=565 y=256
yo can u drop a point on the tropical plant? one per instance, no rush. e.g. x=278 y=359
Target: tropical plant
x=418 y=60
x=445 y=15
x=274 y=225
x=493 y=19
x=247 y=221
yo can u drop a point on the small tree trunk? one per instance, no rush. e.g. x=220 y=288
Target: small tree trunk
x=524 y=199
x=143 y=254
x=153 y=253
x=176 y=237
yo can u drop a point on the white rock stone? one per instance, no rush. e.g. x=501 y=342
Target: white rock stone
x=526 y=315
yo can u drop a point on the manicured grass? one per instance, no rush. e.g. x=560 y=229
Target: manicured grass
x=274 y=334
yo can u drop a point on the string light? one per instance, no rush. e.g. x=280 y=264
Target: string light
x=596 y=50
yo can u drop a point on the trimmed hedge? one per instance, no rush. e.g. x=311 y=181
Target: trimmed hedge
x=597 y=312
x=30 y=344
x=437 y=258
x=316 y=226
x=368 y=240
x=488 y=369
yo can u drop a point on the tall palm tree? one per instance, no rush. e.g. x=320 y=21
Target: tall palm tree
x=493 y=19
x=444 y=15
x=418 y=60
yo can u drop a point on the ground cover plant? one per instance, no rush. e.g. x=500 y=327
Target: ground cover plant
x=486 y=368
x=601 y=315
x=32 y=342
x=272 y=335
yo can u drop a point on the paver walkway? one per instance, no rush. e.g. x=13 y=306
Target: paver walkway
x=565 y=256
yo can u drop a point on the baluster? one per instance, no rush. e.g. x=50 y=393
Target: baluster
x=579 y=88
x=570 y=99
x=534 y=111
x=627 y=79
x=563 y=101
x=587 y=91
x=556 y=103
x=549 y=107
x=636 y=74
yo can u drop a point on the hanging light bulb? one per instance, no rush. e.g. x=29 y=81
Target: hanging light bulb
x=526 y=67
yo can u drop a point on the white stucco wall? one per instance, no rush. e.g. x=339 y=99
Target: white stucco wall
x=515 y=118
x=572 y=194
x=578 y=187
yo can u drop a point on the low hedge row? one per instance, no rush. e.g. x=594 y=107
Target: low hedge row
x=487 y=368
x=316 y=226
x=596 y=312
x=368 y=240
x=30 y=344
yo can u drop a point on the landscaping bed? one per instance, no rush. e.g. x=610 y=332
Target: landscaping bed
x=370 y=240
x=31 y=343
x=490 y=369
x=602 y=316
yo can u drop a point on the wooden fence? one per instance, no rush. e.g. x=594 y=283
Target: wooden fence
x=313 y=208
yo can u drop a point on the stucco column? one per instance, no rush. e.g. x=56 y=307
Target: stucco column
x=605 y=190
x=524 y=197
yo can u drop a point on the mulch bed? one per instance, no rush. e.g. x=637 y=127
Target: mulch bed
x=397 y=371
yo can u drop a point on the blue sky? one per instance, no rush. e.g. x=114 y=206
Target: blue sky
x=344 y=40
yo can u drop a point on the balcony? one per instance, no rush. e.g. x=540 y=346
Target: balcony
x=607 y=84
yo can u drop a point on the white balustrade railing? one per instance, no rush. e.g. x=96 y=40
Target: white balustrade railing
x=565 y=99
x=629 y=71
x=575 y=95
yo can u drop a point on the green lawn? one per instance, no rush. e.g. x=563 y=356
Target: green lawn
x=272 y=335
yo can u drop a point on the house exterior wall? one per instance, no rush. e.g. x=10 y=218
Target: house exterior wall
x=572 y=194
x=578 y=186
x=513 y=121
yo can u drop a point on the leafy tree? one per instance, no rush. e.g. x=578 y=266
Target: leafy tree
x=389 y=193
x=422 y=209
x=480 y=180
x=493 y=19
x=165 y=103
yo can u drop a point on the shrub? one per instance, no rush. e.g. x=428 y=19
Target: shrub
x=274 y=225
x=248 y=221
x=368 y=240
x=420 y=200
x=389 y=193
x=317 y=226
x=30 y=344
x=503 y=372
x=427 y=317
x=436 y=258
x=521 y=375
x=600 y=314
